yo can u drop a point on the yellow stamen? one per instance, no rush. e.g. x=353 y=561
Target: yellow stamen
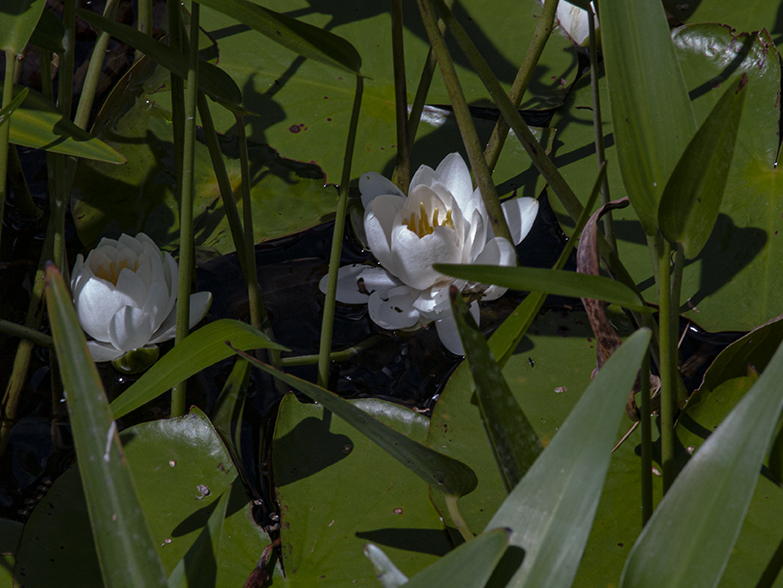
x=421 y=224
x=111 y=273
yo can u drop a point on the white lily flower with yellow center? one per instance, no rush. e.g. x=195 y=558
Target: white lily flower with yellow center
x=442 y=220
x=125 y=295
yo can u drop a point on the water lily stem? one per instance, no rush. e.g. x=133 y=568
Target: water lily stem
x=144 y=21
x=456 y=517
x=342 y=355
x=668 y=364
x=465 y=121
x=600 y=152
x=544 y=27
x=186 y=249
x=646 y=422
x=403 y=170
x=327 y=324
x=8 y=91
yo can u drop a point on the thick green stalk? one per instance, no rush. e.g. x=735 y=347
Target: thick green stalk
x=24 y=200
x=342 y=355
x=8 y=94
x=65 y=71
x=17 y=330
x=456 y=517
x=94 y=71
x=646 y=422
x=600 y=153
x=668 y=366
x=177 y=89
x=535 y=49
x=465 y=121
x=403 y=168
x=47 y=88
x=327 y=324
x=186 y=253
x=144 y=23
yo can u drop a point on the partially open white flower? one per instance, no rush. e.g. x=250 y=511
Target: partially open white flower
x=125 y=295
x=442 y=220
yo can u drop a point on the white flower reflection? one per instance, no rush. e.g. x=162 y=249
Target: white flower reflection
x=125 y=294
x=442 y=220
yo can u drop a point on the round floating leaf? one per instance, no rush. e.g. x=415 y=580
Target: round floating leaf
x=338 y=491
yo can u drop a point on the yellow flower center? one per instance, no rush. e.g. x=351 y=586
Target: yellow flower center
x=421 y=225
x=111 y=271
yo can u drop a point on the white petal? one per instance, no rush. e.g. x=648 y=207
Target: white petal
x=477 y=238
x=103 y=351
x=454 y=174
x=199 y=305
x=157 y=304
x=424 y=176
x=132 y=288
x=134 y=243
x=414 y=256
x=520 y=215
x=497 y=251
x=378 y=223
x=447 y=330
x=76 y=271
x=493 y=293
x=349 y=288
x=96 y=304
x=130 y=328
x=372 y=185
x=393 y=310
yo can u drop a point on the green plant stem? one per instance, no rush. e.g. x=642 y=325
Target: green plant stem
x=144 y=21
x=600 y=153
x=8 y=94
x=456 y=517
x=667 y=366
x=17 y=330
x=342 y=355
x=90 y=86
x=65 y=71
x=47 y=88
x=223 y=181
x=403 y=169
x=186 y=253
x=535 y=49
x=24 y=200
x=327 y=324
x=646 y=425
x=177 y=90
x=465 y=121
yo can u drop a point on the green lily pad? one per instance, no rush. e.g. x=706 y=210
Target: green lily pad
x=734 y=283
x=338 y=491
x=748 y=16
x=180 y=468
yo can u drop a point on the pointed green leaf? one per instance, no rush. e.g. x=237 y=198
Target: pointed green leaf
x=38 y=124
x=17 y=23
x=468 y=566
x=302 y=38
x=651 y=112
x=513 y=440
x=551 y=510
x=442 y=473
x=212 y=80
x=691 y=200
x=48 y=33
x=564 y=283
x=122 y=538
x=197 y=351
x=198 y=567
x=697 y=523
x=5 y=113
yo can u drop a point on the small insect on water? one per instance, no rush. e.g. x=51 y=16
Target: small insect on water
x=531 y=362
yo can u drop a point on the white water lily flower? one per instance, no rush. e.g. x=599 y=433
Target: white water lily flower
x=442 y=220
x=125 y=294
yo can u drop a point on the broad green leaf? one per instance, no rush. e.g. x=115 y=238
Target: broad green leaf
x=734 y=284
x=691 y=200
x=38 y=124
x=48 y=33
x=197 y=351
x=198 y=567
x=338 y=490
x=694 y=531
x=122 y=538
x=551 y=510
x=212 y=80
x=469 y=566
x=10 y=534
x=302 y=38
x=17 y=23
x=643 y=93
x=5 y=113
x=226 y=415
x=442 y=473
x=181 y=468
x=514 y=442
x=559 y=282
x=741 y=16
